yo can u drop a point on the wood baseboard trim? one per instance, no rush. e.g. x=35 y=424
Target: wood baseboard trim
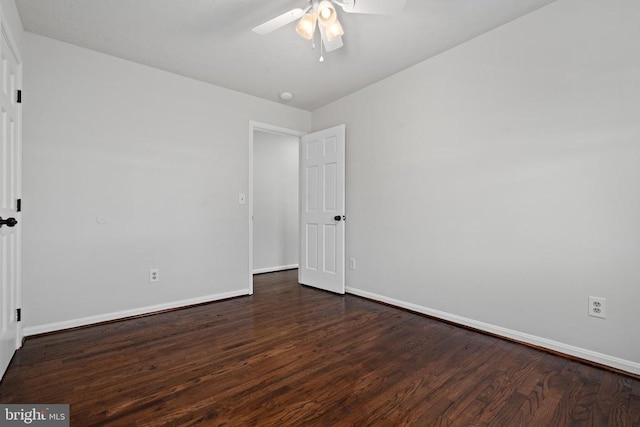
x=52 y=328
x=274 y=269
x=611 y=363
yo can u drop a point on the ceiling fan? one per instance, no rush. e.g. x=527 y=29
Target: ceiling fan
x=322 y=14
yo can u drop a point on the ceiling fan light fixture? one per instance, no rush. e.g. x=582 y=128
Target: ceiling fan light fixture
x=326 y=13
x=334 y=30
x=306 y=26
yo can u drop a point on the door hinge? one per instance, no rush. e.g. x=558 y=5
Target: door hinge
x=19 y=96
x=19 y=205
x=19 y=315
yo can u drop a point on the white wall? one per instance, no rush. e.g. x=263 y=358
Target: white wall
x=497 y=183
x=275 y=202
x=128 y=168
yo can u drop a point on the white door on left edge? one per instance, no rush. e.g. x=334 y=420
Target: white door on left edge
x=322 y=209
x=10 y=232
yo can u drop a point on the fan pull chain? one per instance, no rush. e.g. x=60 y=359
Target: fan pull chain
x=321 y=57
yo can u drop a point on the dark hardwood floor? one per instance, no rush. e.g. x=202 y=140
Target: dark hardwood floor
x=294 y=356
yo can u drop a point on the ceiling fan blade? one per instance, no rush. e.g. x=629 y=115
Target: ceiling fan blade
x=375 y=7
x=278 y=22
x=332 y=45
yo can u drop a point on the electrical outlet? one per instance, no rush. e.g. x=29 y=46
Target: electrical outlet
x=352 y=263
x=598 y=307
x=154 y=275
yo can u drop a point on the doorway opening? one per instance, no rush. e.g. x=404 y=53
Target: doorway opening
x=273 y=199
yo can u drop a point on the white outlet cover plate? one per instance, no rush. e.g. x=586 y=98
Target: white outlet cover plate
x=154 y=275
x=598 y=307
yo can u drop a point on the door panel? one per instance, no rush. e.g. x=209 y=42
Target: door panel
x=312 y=247
x=322 y=186
x=10 y=169
x=330 y=240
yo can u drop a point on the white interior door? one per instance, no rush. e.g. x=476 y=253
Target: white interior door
x=322 y=210
x=10 y=173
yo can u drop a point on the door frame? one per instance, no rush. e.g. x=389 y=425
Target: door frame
x=261 y=127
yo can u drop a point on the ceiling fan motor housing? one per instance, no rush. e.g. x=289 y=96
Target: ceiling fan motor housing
x=346 y=5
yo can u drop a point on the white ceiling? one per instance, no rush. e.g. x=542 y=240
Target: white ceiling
x=211 y=40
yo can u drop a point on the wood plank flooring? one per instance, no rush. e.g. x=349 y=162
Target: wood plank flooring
x=295 y=356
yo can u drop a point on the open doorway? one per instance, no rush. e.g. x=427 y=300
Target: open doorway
x=273 y=199
x=275 y=202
